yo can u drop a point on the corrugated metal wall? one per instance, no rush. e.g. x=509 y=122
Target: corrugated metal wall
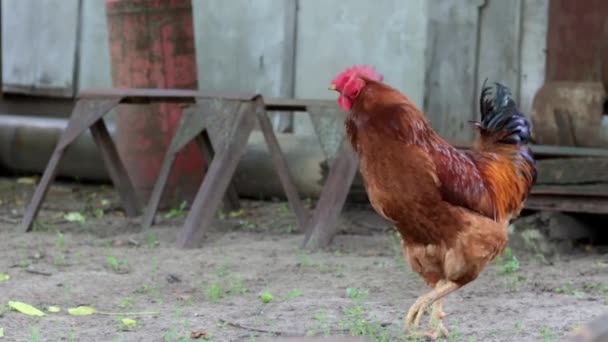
x=438 y=52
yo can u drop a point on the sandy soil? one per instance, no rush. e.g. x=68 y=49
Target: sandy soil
x=360 y=286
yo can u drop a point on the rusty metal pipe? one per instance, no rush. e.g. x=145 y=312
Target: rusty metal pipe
x=26 y=144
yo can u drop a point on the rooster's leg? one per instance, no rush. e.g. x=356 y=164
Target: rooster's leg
x=442 y=289
x=437 y=315
x=440 y=313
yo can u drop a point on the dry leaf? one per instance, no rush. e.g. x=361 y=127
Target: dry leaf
x=1 y=332
x=195 y=335
x=129 y=322
x=26 y=180
x=82 y=311
x=4 y=277
x=74 y=216
x=25 y=308
x=53 y=309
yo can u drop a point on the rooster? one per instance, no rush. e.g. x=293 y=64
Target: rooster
x=451 y=207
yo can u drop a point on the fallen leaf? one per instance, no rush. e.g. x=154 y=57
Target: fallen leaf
x=195 y=335
x=53 y=309
x=82 y=311
x=26 y=180
x=1 y=332
x=4 y=277
x=25 y=308
x=74 y=216
x=237 y=213
x=129 y=322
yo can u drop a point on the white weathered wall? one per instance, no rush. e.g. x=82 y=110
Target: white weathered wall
x=533 y=50
x=437 y=52
x=471 y=40
x=39 y=46
x=388 y=34
x=246 y=46
x=450 y=69
x=94 y=63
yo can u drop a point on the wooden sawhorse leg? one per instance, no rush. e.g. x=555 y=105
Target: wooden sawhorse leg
x=193 y=125
x=323 y=225
x=86 y=114
x=218 y=177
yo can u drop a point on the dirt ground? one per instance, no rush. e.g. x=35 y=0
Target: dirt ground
x=84 y=252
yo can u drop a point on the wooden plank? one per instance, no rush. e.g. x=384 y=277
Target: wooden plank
x=40 y=57
x=451 y=85
x=568 y=204
x=589 y=190
x=572 y=171
x=499 y=32
x=568 y=151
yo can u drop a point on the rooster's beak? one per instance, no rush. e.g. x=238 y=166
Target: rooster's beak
x=332 y=87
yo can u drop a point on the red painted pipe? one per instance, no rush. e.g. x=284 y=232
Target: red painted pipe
x=152 y=46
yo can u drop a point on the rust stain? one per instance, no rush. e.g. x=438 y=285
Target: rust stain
x=152 y=46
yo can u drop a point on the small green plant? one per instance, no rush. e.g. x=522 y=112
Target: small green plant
x=152 y=239
x=174 y=334
x=399 y=260
x=322 y=323
x=59 y=258
x=547 y=334
x=117 y=265
x=293 y=294
x=60 y=241
x=355 y=321
x=569 y=289
x=98 y=213
x=237 y=286
x=34 y=334
x=214 y=292
x=304 y=260
x=513 y=283
x=219 y=289
x=510 y=263
x=266 y=297
x=177 y=333
x=307 y=261
x=126 y=303
x=73 y=336
x=151 y=290
x=354 y=293
x=177 y=212
x=247 y=225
